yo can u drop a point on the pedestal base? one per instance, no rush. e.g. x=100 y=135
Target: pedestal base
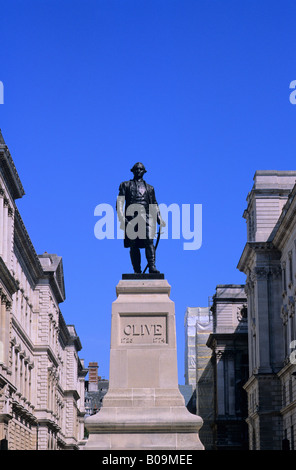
x=144 y=429
x=143 y=408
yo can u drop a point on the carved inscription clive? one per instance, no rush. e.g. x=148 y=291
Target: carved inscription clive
x=143 y=329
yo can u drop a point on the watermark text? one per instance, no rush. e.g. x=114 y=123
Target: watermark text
x=180 y=222
x=292 y=96
x=1 y=93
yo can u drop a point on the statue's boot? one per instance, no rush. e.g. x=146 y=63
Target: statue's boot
x=136 y=259
x=150 y=255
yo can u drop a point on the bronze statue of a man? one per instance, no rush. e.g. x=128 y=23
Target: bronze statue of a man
x=139 y=217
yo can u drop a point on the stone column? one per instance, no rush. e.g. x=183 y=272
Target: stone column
x=1 y=220
x=260 y=278
x=10 y=238
x=5 y=230
x=5 y=411
x=4 y=329
x=143 y=408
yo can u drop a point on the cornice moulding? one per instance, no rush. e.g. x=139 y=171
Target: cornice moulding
x=286 y=222
x=26 y=250
x=10 y=174
x=7 y=279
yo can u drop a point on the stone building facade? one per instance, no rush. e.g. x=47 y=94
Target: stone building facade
x=41 y=375
x=216 y=365
x=269 y=262
x=229 y=344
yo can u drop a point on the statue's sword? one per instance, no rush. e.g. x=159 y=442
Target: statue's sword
x=156 y=245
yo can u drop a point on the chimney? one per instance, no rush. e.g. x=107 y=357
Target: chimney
x=93 y=376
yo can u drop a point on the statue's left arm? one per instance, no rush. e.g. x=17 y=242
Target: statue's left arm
x=154 y=201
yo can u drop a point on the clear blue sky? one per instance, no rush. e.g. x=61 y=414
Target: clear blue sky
x=198 y=90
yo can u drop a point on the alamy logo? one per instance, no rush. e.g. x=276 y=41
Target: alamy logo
x=185 y=222
x=1 y=93
x=293 y=94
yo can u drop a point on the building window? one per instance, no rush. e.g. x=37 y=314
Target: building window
x=284 y=395
x=290 y=268
x=286 y=349
x=293 y=326
x=290 y=390
x=284 y=277
x=285 y=442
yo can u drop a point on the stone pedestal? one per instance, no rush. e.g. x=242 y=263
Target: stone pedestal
x=143 y=408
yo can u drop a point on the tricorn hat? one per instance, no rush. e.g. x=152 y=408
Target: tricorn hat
x=138 y=164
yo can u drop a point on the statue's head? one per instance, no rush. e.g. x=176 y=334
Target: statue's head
x=138 y=167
